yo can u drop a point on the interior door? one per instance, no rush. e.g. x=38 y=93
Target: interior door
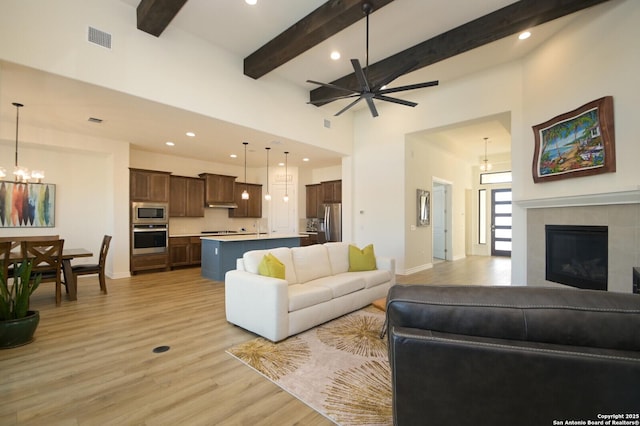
x=501 y=222
x=439 y=221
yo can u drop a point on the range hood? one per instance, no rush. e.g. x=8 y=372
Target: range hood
x=222 y=205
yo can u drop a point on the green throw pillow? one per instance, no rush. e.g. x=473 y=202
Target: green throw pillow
x=270 y=266
x=361 y=260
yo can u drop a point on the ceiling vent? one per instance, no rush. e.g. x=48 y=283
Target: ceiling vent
x=95 y=120
x=100 y=38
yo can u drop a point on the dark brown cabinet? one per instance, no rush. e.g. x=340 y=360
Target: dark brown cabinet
x=149 y=262
x=218 y=189
x=247 y=208
x=185 y=251
x=148 y=185
x=332 y=191
x=187 y=197
x=314 y=200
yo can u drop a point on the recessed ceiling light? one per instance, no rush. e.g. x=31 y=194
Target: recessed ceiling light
x=169 y=143
x=335 y=55
x=251 y=2
x=525 y=35
x=305 y=159
x=281 y=164
x=233 y=156
x=190 y=134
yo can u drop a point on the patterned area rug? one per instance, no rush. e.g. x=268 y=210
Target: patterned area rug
x=339 y=369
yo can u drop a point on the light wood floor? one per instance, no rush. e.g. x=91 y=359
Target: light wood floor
x=92 y=361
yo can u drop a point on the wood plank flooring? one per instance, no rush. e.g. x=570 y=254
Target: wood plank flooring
x=92 y=361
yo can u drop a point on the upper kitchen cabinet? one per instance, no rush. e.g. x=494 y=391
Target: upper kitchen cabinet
x=218 y=189
x=149 y=185
x=331 y=191
x=313 y=200
x=251 y=207
x=187 y=197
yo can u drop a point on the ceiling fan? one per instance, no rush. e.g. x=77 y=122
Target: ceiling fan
x=369 y=91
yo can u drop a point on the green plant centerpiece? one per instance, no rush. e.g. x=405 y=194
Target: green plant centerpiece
x=17 y=322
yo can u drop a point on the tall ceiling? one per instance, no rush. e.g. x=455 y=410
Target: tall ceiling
x=241 y=29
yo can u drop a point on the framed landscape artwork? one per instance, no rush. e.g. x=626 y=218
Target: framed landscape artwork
x=27 y=205
x=578 y=143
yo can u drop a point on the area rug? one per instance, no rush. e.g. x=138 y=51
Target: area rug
x=339 y=369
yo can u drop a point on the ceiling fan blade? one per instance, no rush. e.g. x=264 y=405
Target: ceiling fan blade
x=372 y=107
x=395 y=100
x=348 y=106
x=362 y=79
x=394 y=75
x=320 y=102
x=332 y=86
x=409 y=87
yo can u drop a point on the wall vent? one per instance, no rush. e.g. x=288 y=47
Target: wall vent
x=327 y=123
x=99 y=37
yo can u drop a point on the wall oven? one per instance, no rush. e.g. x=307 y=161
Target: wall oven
x=147 y=213
x=149 y=238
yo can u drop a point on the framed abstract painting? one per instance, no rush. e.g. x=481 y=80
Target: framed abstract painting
x=577 y=143
x=27 y=205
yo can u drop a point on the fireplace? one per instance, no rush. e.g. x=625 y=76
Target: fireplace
x=577 y=255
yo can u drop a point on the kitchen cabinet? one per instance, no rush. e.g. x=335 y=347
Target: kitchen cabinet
x=145 y=262
x=187 y=197
x=149 y=185
x=184 y=251
x=218 y=189
x=332 y=191
x=314 y=200
x=247 y=208
x=308 y=239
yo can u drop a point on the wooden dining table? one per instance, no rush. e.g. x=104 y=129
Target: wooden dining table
x=68 y=254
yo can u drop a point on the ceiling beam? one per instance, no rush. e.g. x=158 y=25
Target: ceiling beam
x=319 y=25
x=155 y=15
x=512 y=19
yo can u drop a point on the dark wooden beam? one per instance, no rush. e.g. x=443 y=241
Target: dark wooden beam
x=504 y=22
x=155 y=15
x=319 y=25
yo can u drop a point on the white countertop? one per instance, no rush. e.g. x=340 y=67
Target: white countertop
x=249 y=237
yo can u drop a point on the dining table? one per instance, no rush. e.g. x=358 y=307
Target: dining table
x=68 y=254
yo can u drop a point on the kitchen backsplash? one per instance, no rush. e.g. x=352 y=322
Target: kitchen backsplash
x=214 y=220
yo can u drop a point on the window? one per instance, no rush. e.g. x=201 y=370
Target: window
x=497 y=177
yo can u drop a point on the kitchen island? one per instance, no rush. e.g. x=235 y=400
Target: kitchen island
x=219 y=253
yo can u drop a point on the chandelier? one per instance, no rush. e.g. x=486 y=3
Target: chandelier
x=21 y=174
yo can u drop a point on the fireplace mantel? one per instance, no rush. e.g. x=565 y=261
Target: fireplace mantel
x=602 y=199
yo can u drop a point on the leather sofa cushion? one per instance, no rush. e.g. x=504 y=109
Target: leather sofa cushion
x=536 y=314
x=339 y=284
x=302 y=296
x=311 y=262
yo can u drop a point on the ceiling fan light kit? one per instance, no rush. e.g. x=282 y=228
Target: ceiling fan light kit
x=367 y=90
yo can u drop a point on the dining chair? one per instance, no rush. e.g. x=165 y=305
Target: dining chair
x=5 y=252
x=95 y=268
x=46 y=258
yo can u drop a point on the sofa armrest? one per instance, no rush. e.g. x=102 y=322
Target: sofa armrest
x=257 y=303
x=389 y=264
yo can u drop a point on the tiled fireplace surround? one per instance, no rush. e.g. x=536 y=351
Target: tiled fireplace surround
x=623 y=221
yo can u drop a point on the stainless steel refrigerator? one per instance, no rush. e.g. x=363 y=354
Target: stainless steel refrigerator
x=330 y=221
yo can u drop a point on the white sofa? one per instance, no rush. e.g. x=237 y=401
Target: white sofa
x=317 y=288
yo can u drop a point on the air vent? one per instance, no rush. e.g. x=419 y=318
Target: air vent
x=95 y=120
x=99 y=37
x=327 y=123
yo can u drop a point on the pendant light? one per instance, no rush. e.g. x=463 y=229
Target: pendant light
x=267 y=196
x=286 y=177
x=486 y=166
x=21 y=174
x=245 y=193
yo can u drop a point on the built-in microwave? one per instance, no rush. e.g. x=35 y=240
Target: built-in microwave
x=146 y=213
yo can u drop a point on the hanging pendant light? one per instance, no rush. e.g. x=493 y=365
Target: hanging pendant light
x=286 y=177
x=267 y=196
x=20 y=173
x=245 y=193
x=485 y=166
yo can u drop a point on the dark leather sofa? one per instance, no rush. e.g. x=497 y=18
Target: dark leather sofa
x=474 y=355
